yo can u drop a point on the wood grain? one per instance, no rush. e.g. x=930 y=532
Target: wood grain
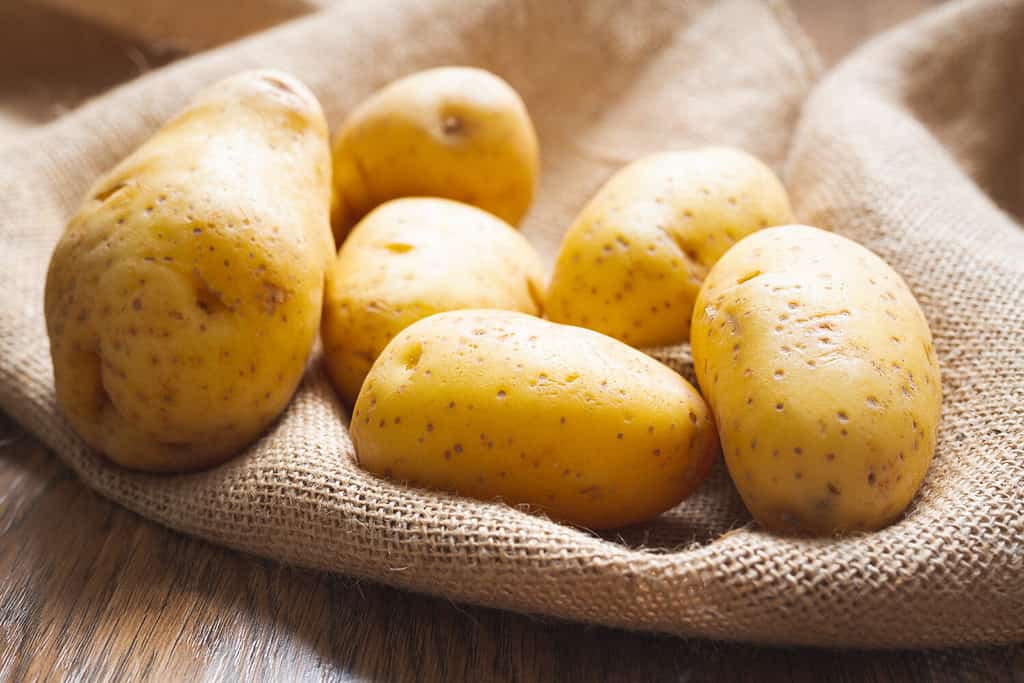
x=93 y=592
x=90 y=591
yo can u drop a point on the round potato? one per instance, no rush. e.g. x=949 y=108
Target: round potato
x=633 y=261
x=495 y=404
x=184 y=297
x=818 y=365
x=453 y=132
x=413 y=257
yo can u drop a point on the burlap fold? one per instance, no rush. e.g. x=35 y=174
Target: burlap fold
x=900 y=148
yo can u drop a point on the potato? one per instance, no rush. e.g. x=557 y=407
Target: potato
x=819 y=368
x=184 y=297
x=452 y=132
x=632 y=262
x=497 y=404
x=410 y=258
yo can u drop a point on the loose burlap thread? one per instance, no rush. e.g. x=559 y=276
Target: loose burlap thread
x=910 y=147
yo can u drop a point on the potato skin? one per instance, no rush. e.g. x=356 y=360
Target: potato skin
x=410 y=258
x=184 y=297
x=819 y=368
x=631 y=264
x=497 y=404
x=453 y=132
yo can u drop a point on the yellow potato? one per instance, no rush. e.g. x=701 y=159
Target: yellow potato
x=184 y=297
x=413 y=257
x=818 y=365
x=496 y=404
x=451 y=132
x=631 y=264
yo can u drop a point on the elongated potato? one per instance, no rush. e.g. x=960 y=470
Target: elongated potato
x=818 y=365
x=184 y=297
x=411 y=258
x=496 y=404
x=631 y=264
x=453 y=132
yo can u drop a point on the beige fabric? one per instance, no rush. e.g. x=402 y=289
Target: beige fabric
x=51 y=62
x=885 y=152
x=187 y=24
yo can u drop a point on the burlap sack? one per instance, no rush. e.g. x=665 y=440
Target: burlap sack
x=188 y=24
x=895 y=149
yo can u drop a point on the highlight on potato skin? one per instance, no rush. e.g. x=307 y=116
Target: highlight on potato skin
x=503 y=405
x=819 y=367
x=631 y=264
x=455 y=132
x=184 y=297
x=413 y=257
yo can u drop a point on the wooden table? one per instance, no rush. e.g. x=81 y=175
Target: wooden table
x=91 y=591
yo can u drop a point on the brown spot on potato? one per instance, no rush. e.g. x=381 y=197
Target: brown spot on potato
x=207 y=299
x=411 y=356
x=273 y=296
x=452 y=125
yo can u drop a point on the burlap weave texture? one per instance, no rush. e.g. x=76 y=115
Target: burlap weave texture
x=910 y=147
